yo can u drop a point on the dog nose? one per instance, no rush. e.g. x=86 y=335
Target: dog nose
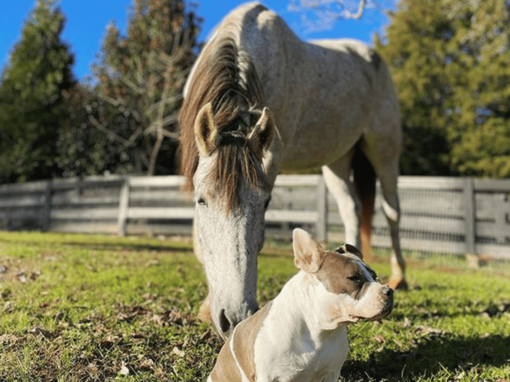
x=388 y=291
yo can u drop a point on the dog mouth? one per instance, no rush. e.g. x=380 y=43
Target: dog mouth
x=385 y=312
x=388 y=308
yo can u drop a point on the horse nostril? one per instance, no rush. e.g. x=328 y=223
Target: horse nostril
x=224 y=323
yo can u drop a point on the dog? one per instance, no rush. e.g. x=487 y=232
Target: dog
x=301 y=335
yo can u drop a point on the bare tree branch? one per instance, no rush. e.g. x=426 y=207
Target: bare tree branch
x=171 y=135
x=132 y=139
x=159 y=133
x=107 y=131
x=142 y=93
x=319 y=15
x=357 y=15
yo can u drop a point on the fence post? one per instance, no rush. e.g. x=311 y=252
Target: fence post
x=46 y=223
x=123 y=207
x=322 y=210
x=469 y=216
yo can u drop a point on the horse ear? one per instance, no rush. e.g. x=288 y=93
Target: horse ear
x=307 y=252
x=265 y=140
x=263 y=132
x=206 y=131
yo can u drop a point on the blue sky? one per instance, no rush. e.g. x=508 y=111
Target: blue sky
x=87 y=21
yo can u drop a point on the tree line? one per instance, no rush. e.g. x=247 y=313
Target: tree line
x=449 y=61
x=123 y=120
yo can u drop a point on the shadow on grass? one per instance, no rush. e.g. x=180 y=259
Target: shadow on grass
x=447 y=353
x=132 y=247
x=122 y=246
x=488 y=310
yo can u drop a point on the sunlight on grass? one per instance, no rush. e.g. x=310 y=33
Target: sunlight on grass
x=96 y=308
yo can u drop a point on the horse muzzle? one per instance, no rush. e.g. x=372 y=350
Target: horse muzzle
x=226 y=318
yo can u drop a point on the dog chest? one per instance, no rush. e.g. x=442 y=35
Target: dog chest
x=286 y=351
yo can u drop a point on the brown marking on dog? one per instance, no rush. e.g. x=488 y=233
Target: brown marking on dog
x=225 y=368
x=343 y=275
x=244 y=341
x=338 y=272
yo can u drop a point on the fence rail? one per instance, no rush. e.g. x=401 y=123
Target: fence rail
x=439 y=214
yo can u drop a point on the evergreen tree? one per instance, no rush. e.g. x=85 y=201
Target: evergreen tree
x=32 y=90
x=449 y=60
x=139 y=79
x=82 y=149
x=481 y=78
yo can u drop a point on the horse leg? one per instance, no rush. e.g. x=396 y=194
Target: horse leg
x=386 y=169
x=391 y=210
x=204 y=313
x=337 y=176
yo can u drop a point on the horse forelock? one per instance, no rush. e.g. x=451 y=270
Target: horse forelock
x=225 y=77
x=236 y=166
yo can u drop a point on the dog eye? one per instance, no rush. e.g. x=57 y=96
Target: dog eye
x=355 y=279
x=201 y=201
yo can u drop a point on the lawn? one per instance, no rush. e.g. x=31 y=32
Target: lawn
x=96 y=308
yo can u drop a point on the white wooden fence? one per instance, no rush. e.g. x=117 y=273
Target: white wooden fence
x=441 y=215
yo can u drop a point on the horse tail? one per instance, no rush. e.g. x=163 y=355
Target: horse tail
x=364 y=181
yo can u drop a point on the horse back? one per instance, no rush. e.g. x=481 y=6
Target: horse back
x=325 y=91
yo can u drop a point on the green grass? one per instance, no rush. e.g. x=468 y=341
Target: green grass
x=96 y=308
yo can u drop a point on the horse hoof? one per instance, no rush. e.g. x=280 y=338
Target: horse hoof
x=400 y=284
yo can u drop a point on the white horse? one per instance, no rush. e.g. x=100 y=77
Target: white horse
x=259 y=99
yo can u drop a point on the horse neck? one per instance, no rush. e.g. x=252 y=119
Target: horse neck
x=267 y=40
x=276 y=54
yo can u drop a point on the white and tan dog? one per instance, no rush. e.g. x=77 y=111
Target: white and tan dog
x=301 y=335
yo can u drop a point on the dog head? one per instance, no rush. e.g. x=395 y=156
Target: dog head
x=345 y=289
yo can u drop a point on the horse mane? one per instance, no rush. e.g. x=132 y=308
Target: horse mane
x=225 y=77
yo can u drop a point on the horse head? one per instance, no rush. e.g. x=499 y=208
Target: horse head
x=233 y=181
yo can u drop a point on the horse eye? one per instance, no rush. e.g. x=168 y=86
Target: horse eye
x=201 y=202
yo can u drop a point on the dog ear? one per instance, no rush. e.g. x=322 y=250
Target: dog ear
x=307 y=252
x=206 y=131
x=347 y=248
